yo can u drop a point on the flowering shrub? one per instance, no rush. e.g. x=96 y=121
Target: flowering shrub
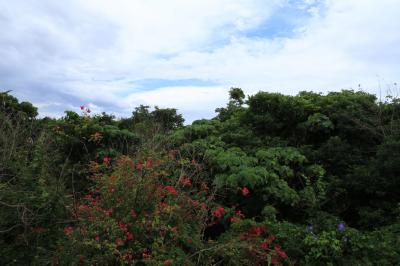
x=136 y=211
x=147 y=211
x=249 y=243
x=319 y=174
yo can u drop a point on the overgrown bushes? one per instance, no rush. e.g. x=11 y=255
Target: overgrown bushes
x=306 y=180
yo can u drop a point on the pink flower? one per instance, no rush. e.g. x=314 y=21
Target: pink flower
x=106 y=160
x=82 y=107
x=97 y=238
x=88 y=110
x=245 y=191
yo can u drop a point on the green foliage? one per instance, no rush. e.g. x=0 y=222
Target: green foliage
x=160 y=120
x=309 y=179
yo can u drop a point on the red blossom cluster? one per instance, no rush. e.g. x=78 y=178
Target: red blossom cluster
x=124 y=207
x=168 y=262
x=219 y=212
x=280 y=252
x=109 y=211
x=238 y=216
x=253 y=232
x=266 y=248
x=68 y=230
x=185 y=181
x=119 y=242
x=146 y=254
x=171 y=190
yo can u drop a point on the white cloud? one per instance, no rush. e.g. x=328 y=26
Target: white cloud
x=194 y=102
x=81 y=52
x=354 y=43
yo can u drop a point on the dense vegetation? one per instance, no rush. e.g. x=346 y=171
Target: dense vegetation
x=309 y=179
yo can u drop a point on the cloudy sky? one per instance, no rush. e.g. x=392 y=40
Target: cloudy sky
x=115 y=55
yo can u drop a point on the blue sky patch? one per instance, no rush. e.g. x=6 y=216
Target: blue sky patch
x=152 y=84
x=285 y=20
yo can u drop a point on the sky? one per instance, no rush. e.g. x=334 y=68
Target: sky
x=114 y=55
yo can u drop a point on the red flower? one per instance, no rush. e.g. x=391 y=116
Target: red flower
x=271 y=238
x=219 y=212
x=119 y=242
x=128 y=257
x=133 y=213
x=68 y=230
x=189 y=241
x=163 y=205
x=145 y=254
x=82 y=107
x=168 y=262
x=185 y=181
x=88 y=110
x=149 y=164
x=280 y=252
x=109 y=211
x=195 y=203
x=97 y=238
x=245 y=191
x=257 y=230
x=264 y=245
x=233 y=219
x=239 y=214
x=204 y=186
x=123 y=226
x=88 y=197
x=129 y=236
x=171 y=190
